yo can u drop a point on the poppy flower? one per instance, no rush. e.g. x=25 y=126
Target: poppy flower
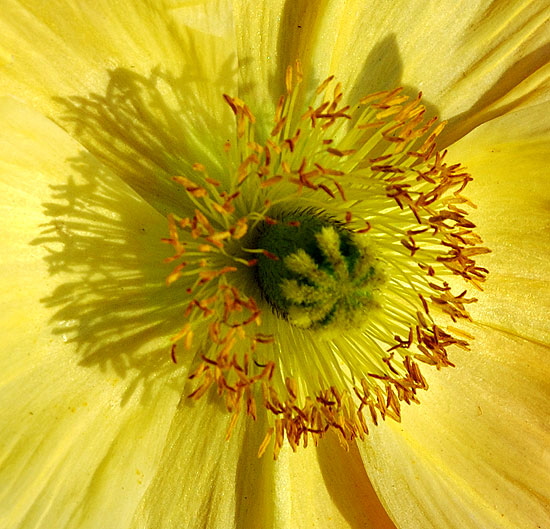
x=274 y=264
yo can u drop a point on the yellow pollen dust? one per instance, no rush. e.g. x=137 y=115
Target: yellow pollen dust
x=374 y=168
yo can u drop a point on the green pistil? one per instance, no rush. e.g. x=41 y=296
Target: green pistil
x=315 y=273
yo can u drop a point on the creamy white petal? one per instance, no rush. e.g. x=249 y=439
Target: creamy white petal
x=86 y=382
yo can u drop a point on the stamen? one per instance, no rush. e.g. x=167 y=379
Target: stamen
x=316 y=267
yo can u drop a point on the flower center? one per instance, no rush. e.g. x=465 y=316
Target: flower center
x=315 y=264
x=315 y=273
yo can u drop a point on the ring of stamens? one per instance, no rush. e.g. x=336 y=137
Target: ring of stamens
x=376 y=171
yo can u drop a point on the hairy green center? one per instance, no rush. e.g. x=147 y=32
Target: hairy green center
x=314 y=272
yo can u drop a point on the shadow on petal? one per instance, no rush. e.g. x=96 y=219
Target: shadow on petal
x=383 y=70
x=112 y=300
x=349 y=486
x=107 y=221
x=149 y=129
x=486 y=107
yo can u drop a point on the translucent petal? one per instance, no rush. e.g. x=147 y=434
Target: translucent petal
x=475 y=452
x=140 y=86
x=271 y=36
x=509 y=159
x=85 y=370
x=329 y=487
x=471 y=60
x=82 y=43
x=210 y=482
x=205 y=480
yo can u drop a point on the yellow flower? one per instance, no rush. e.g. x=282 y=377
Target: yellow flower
x=127 y=123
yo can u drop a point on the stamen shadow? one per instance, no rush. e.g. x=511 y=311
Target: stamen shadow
x=113 y=302
x=104 y=237
x=147 y=129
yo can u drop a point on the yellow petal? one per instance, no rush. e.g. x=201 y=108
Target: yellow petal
x=271 y=36
x=138 y=85
x=474 y=453
x=86 y=382
x=214 y=483
x=204 y=480
x=469 y=59
x=81 y=43
x=328 y=487
x=509 y=159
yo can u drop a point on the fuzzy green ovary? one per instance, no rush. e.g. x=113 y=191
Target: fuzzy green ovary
x=324 y=277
